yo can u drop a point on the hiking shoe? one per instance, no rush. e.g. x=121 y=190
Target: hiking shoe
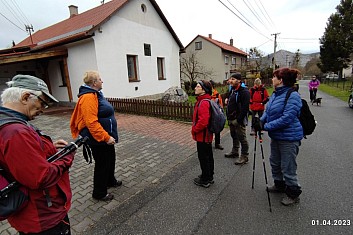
x=288 y=201
x=117 y=184
x=275 y=189
x=218 y=146
x=242 y=160
x=107 y=198
x=199 y=182
x=231 y=155
x=210 y=181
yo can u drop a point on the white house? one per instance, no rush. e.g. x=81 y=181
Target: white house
x=129 y=42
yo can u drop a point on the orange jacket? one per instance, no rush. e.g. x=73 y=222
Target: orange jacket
x=216 y=95
x=86 y=115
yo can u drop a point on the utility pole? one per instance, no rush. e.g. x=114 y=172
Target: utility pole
x=30 y=29
x=274 y=51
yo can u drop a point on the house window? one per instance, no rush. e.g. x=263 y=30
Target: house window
x=160 y=67
x=143 y=8
x=226 y=59
x=234 y=60
x=132 y=68
x=147 y=48
x=226 y=77
x=198 y=45
x=62 y=72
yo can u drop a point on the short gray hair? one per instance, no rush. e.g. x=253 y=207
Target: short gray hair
x=13 y=94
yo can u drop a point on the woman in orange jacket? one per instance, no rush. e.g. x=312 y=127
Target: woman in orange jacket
x=94 y=117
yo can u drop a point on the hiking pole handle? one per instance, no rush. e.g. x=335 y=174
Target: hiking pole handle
x=68 y=149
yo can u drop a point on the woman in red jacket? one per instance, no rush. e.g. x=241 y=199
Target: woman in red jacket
x=202 y=135
x=258 y=99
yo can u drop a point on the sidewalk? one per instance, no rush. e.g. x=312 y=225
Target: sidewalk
x=148 y=148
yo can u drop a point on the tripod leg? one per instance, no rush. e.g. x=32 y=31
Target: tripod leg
x=253 y=167
x=263 y=163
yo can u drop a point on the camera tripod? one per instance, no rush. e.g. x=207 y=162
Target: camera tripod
x=258 y=134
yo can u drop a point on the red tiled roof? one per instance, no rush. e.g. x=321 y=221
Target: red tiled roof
x=224 y=46
x=77 y=24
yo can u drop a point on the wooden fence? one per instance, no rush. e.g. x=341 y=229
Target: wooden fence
x=155 y=108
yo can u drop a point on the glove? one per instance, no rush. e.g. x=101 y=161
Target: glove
x=257 y=124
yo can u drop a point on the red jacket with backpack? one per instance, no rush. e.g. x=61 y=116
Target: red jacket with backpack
x=201 y=119
x=258 y=98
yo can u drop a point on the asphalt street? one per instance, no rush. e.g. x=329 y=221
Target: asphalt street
x=176 y=206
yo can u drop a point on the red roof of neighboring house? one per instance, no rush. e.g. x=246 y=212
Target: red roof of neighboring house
x=81 y=26
x=224 y=46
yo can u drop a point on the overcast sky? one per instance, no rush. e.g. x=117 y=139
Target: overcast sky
x=251 y=23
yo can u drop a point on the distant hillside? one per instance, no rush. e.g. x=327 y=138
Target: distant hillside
x=285 y=58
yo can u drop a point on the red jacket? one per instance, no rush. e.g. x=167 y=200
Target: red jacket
x=23 y=153
x=200 y=120
x=258 y=98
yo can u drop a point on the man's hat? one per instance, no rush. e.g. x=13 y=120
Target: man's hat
x=236 y=76
x=31 y=83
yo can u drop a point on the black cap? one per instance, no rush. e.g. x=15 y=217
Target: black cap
x=236 y=76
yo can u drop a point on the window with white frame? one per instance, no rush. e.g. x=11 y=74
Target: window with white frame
x=226 y=59
x=198 y=45
x=234 y=60
x=160 y=68
x=132 y=68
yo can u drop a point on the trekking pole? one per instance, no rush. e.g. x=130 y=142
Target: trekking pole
x=263 y=163
x=253 y=167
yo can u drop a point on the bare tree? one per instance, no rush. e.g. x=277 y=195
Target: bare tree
x=255 y=57
x=192 y=69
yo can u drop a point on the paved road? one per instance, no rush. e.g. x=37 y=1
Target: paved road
x=230 y=206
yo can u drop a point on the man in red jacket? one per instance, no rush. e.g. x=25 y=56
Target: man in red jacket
x=202 y=135
x=23 y=156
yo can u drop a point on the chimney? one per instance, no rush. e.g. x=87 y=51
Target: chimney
x=73 y=10
x=210 y=36
x=231 y=42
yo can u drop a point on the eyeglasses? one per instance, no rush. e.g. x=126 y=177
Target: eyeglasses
x=44 y=104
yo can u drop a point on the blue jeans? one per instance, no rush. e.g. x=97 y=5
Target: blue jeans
x=284 y=166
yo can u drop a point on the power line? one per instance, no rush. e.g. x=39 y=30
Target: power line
x=243 y=20
x=253 y=11
x=12 y=22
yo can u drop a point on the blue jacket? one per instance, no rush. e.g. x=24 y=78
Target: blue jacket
x=282 y=122
x=106 y=116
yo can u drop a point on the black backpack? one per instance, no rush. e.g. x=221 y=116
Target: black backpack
x=306 y=118
x=13 y=197
x=217 y=119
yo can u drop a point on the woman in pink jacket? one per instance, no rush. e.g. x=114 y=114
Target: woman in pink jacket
x=313 y=85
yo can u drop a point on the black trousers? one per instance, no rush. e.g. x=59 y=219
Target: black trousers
x=217 y=137
x=104 y=169
x=62 y=228
x=313 y=94
x=205 y=155
x=253 y=113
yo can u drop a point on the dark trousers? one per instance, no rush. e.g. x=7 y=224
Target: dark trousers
x=313 y=94
x=62 y=228
x=253 y=114
x=104 y=169
x=217 y=137
x=205 y=155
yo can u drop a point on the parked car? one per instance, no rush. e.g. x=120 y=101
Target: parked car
x=332 y=77
x=350 y=100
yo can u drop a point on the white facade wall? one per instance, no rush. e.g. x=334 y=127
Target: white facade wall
x=125 y=34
